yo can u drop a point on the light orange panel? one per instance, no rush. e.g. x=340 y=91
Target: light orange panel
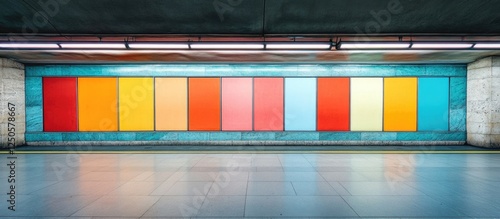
x=97 y=104
x=400 y=104
x=171 y=104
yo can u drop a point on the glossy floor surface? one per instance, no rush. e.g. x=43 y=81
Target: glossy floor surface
x=253 y=185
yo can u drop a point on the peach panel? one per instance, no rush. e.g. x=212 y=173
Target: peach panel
x=171 y=104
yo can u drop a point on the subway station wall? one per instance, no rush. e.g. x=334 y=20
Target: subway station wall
x=243 y=102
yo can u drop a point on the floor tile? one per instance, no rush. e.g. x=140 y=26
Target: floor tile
x=222 y=206
x=379 y=188
x=189 y=188
x=343 y=176
x=270 y=188
x=119 y=206
x=176 y=206
x=297 y=206
x=228 y=188
x=135 y=188
x=313 y=188
x=399 y=206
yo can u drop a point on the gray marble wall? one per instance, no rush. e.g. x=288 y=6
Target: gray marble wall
x=12 y=101
x=483 y=102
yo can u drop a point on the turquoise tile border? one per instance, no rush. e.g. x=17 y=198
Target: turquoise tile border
x=246 y=136
x=248 y=70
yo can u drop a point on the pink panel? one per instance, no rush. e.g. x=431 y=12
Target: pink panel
x=236 y=104
x=268 y=104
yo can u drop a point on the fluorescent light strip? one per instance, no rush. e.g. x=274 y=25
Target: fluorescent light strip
x=298 y=45
x=158 y=45
x=487 y=46
x=227 y=46
x=374 y=45
x=29 y=45
x=443 y=45
x=93 y=45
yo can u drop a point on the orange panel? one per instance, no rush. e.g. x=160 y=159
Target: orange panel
x=400 y=104
x=204 y=104
x=97 y=104
x=333 y=104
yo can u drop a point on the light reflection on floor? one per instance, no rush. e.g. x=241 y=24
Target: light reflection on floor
x=253 y=185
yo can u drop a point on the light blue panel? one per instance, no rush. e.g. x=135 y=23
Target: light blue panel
x=225 y=136
x=261 y=136
x=34 y=119
x=300 y=104
x=340 y=136
x=379 y=136
x=432 y=136
x=297 y=136
x=433 y=104
x=194 y=136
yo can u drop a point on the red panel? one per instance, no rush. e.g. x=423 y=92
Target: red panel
x=333 y=104
x=268 y=104
x=59 y=105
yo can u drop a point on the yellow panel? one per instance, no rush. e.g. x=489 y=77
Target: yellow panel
x=136 y=105
x=171 y=103
x=97 y=104
x=366 y=104
x=400 y=104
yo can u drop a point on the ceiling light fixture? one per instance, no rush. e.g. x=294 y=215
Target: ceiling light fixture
x=441 y=45
x=299 y=45
x=90 y=45
x=158 y=45
x=227 y=45
x=373 y=45
x=487 y=45
x=9 y=45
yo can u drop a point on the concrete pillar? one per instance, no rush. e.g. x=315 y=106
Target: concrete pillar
x=483 y=102
x=12 y=103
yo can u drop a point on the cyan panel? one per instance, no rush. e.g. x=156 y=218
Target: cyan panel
x=433 y=104
x=300 y=104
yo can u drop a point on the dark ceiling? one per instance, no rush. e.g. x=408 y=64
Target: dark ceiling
x=249 y=17
x=325 y=19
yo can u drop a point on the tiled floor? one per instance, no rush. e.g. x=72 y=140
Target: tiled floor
x=253 y=185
